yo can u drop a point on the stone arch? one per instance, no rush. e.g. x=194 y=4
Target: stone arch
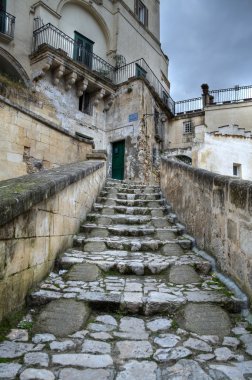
x=10 y=66
x=90 y=9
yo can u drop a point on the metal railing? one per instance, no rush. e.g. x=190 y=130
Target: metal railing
x=54 y=37
x=231 y=95
x=140 y=69
x=189 y=105
x=7 y=24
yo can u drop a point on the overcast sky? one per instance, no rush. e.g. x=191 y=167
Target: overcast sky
x=207 y=41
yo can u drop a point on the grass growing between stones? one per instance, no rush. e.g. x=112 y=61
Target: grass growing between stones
x=222 y=288
x=11 y=322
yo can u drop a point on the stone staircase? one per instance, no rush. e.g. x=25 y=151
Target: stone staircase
x=131 y=300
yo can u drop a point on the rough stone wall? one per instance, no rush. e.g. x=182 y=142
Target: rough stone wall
x=40 y=214
x=29 y=145
x=217 y=210
x=66 y=105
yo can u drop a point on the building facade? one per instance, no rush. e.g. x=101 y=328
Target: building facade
x=93 y=69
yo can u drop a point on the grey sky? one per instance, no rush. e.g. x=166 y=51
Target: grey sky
x=207 y=41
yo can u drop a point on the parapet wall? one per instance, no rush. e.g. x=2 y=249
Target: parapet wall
x=217 y=211
x=40 y=214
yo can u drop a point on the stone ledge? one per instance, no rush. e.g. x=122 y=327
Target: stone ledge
x=18 y=195
x=214 y=179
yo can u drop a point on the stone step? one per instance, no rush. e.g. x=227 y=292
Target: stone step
x=154 y=211
x=168 y=247
x=127 y=262
x=111 y=201
x=132 y=186
x=133 y=190
x=146 y=295
x=136 y=220
x=150 y=197
x=135 y=231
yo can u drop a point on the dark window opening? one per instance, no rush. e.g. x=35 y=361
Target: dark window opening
x=140 y=72
x=83 y=50
x=141 y=12
x=85 y=104
x=237 y=170
x=165 y=97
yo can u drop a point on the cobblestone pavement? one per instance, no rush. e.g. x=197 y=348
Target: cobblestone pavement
x=130 y=301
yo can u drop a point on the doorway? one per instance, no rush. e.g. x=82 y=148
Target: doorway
x=118 y=152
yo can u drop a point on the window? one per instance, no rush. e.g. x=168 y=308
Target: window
x=165 y=97
x=187 y=127
x=83 y=50
x=237 y=170
x=141 y=12
x=85 y=104
x=140 y=72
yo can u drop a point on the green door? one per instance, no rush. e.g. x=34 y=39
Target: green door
x=83 y=50
x=118 y=149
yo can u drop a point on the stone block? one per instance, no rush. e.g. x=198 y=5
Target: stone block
x=238 y=193
x=246 y=239
x=232 y=230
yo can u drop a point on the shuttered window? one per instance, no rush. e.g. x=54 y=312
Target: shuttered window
x=141 y=12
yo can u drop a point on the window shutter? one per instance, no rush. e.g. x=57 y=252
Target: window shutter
x=137 y=7
x=146 y=17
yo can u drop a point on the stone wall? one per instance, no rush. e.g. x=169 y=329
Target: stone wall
x=40 y=214
x=31 y=141
x=217 y=211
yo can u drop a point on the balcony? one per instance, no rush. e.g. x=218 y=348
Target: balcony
x=49 y=35
x=55 y=38
x=7 y=26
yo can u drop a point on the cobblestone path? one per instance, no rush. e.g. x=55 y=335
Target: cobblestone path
x=130 y=301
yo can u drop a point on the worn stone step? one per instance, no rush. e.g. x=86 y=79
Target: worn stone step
x=131 y=185
x=135 y=231
x=136 y=220
x=150 y=197
x=111 y=201
x=147 y=295
x=132 y=190
x=167 y=247
x=154 y=211
x=127 y=262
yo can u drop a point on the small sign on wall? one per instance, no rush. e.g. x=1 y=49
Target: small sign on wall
x=133 y=117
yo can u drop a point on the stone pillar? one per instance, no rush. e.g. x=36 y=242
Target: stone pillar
x=206 y=97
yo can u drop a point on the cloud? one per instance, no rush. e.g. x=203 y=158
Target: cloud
x=207 y=41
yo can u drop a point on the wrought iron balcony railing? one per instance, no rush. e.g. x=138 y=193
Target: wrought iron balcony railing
x=237 y=94
x=54 y=37
x=232 y=95
x=7 y=24
x=141 y=69
x=188 y=105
